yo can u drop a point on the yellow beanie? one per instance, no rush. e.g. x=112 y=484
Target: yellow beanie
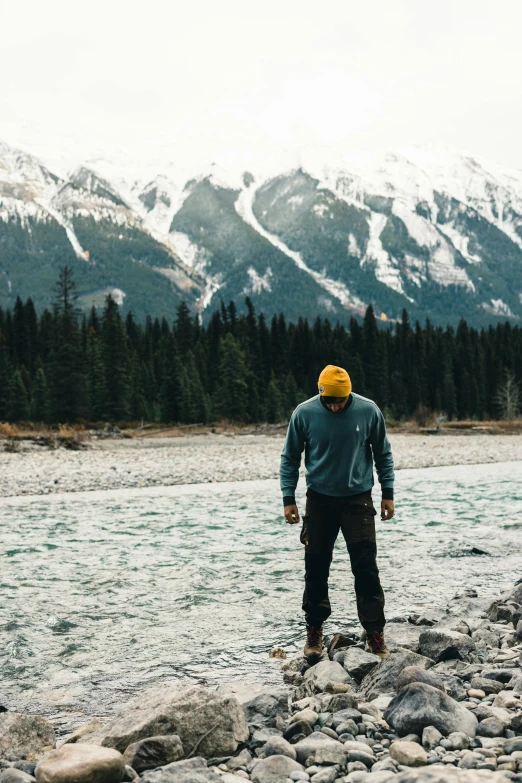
x=334 y=382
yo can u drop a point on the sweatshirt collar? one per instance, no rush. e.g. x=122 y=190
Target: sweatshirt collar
x=350 y=400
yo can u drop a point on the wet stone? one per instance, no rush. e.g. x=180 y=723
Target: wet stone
x=153 y=752
x=81 y=764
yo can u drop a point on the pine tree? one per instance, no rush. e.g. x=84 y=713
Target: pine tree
x=40 y=407
x=96 y=375
x=116 y=362
x=17 y=408
x=232 y=400
x=69 y=401
x=274 y=402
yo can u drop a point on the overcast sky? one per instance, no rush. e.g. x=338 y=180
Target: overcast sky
x=236 y=80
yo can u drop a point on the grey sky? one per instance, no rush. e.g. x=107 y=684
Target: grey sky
x=238 y=81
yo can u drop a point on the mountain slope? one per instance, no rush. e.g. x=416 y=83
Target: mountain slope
x=432 y=230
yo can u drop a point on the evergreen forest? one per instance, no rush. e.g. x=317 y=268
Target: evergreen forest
x=65 y=366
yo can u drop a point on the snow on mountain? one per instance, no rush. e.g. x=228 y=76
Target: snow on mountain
x=432 y=229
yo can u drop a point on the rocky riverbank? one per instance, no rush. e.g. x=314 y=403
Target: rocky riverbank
x=445 y=706
x=34 y=469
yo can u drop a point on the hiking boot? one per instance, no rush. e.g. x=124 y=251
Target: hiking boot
x=313 y=648
x=375 y=644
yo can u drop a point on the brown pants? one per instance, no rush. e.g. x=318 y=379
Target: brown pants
x=355 y=517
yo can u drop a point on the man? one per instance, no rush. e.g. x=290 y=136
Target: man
x=342 y=434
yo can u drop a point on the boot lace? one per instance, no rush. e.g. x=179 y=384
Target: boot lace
x=315 y=636
x=377 y=642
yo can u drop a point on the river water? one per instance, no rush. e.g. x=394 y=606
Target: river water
x=104 y=593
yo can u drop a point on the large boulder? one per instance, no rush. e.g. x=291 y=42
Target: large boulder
x=274 y=769
x=404 y=635
x=418 y=674
x=357 y=662
x=153 y=752
x=441 y=644
x=383 y=678
x=317 y=677
x=419 y=705
x=81 y=763
x=206 y=723
x=28 y=734
x=189 y=771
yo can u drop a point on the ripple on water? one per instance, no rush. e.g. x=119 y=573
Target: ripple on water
x=106 y=592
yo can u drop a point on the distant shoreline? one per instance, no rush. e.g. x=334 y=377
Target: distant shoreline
x=118 y=463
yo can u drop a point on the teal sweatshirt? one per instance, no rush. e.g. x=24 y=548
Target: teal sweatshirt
x=340 y=449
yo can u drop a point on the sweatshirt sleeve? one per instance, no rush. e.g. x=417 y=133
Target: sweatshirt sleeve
x=291 y=457
x=382 y=456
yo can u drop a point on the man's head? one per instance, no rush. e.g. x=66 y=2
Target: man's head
x=334 y=404
x=335 y=387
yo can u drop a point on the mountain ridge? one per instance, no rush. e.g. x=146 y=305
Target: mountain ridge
x=434 y=230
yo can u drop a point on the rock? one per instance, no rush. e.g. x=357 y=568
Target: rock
x=501 y=675
x=404 y=635
x=274 y=769
x=261 y=703
x=512 y=745
x=307 y=715
x=339 y=640
x=383 y=678
x=485 y=639
x=442 y=644
x=299 y=727
x=324 y=672
x=266 y=707
x=445 y=774
x=16 y=776
x=459 y=740
x=515 y=723
x=431 y=737
x=262 y=735
x=342 y=716
x=506 y=700
x=307 y=747
x=491 y=727
x=31 y=735
x=277 y=746
x=338 y=687
x=409 y=753
x=418 y=705
x=153 y=752
x=91 y=728
x=277 y=652
x=81 y=763
x=205 y=722
x=358 y=663
x=242 y=759
x=475 y=693
x=189 y=771
x=342 y=701
x=418 y=674
x=486 y=685
x=329 y=753
x=328 y=775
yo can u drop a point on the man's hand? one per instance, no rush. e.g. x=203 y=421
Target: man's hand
x=292 y=515
x=387 y=509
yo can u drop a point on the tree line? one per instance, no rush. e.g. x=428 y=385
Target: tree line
x=65 y=366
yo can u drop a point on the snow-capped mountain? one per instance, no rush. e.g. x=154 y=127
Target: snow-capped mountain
x=433 y=230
